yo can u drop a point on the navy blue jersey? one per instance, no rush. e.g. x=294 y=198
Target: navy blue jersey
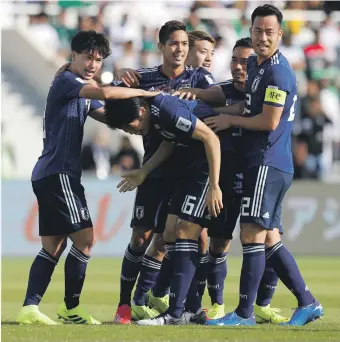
x=63 y=126
x=272 y=83
x=153 y=78
x=230 y=138
x=175 y=120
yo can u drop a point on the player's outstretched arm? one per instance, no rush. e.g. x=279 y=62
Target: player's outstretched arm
x=134 y=178
x=213 y=151
x=213 y=95
x=104 y=93
x=268 y=120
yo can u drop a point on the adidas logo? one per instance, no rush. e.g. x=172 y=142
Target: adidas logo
x=266 y=215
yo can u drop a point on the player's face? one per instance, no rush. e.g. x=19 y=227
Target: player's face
x=238 y=65
x=87 y=63
x=201 y=54
x=175 y=50
x=266 y=34
x=139 y=126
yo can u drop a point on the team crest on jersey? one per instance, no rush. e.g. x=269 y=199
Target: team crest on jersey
x=255 y=84
x=140 y=212
x=84 y=212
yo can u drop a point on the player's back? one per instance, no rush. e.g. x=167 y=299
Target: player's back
x=272 y=83
x=174 y=120
x=63 y=124
x=153 y=78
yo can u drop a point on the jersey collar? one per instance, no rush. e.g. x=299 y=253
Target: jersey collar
x=169 y=78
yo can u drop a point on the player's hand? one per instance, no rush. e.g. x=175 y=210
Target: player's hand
x=131 y=179
x=149 y=93
x=129 y=77
x=214 y=201
x=92 y=82
x=218 y=123
x=62 y=69
x=184 y=94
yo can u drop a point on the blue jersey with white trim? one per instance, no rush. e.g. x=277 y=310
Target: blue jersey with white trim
x=271 y=83
x=175 y=120
x=153 y=78
x=63 y=127
x=230 y=138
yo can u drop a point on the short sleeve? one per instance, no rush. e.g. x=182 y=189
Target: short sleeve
x=176 y=116
x=95 y=104
x=204 y=79
x=68 y=86
x=279 y=84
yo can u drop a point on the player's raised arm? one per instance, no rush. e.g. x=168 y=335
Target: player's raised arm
x=213 y=95
x=213 y=152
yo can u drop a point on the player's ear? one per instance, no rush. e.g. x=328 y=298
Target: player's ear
x=280 y=33
x=142 y=111
x=73 y=56
x=160 y=46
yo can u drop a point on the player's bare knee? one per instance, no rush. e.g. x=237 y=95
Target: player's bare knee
x=252 y=233
x=203 y=241
x=84 y=240
x=156 y=248
x=188 y=230
x=140 y=239
x=219 y=245
x=169 y=234
x=54 y=245
x=273 y=237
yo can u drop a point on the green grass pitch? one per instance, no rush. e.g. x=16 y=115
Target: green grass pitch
x=101 y=291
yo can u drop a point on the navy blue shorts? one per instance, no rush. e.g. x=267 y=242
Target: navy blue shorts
x=188 y=200
x=264 y=188
x=62 y=205
x=151 y=204
x=231 y=186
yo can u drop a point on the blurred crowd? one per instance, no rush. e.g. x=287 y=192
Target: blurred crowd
x=312 y=47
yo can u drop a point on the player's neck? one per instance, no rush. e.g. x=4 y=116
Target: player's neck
x=240 y=86
x=73 y=70
x=261 y=60
x=170 y=71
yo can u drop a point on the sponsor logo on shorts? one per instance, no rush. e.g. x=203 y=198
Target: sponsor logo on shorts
x=84 y=212
x=139 y=212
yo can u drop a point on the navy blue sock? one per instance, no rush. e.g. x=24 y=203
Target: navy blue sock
x=163 y=281
x=130 y=268
x=268 y=285
x=147 y=279
x=288 y=272
x=185 y=263
x=194 y=300
x=252 y=271
x=217 y=273
x=75 y=270
x=201 y=273
x=40 y=276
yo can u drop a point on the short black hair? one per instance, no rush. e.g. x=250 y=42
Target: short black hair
x=244 y=42
x=265 y=11
x=91 y=41
x=119 y=113
x=168 y=28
